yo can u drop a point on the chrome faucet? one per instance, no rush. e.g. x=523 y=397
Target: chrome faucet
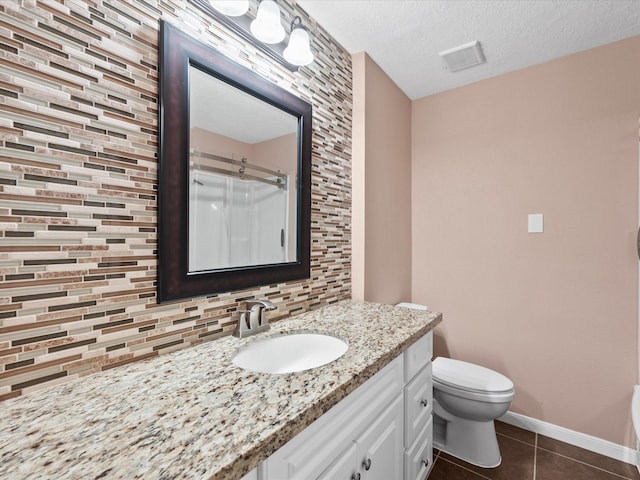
x=252 y=318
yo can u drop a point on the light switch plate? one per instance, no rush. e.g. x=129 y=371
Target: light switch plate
x=536 y=223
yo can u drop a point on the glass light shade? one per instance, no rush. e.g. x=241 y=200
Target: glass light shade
x=298 y=52
x=267 y=27
x=231 y=8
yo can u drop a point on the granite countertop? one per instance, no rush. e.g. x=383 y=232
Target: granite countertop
x=192 y=414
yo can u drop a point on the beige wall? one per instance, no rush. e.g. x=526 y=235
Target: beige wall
x=381 y=186
x=557 y=311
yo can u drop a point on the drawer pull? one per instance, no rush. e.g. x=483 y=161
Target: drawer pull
x=355 y=476
x=366 y=464
x=425 y=462
x=424 y=402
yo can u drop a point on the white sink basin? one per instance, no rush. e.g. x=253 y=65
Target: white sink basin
x=290 y=353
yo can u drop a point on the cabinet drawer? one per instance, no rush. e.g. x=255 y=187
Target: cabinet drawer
x=417 y=356
x=418 y=404
x=419 y=458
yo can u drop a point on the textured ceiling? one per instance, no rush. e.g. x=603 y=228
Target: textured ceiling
x=404 y=36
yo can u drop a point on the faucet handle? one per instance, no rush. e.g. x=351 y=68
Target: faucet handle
x=243 y=326
x=265 y=304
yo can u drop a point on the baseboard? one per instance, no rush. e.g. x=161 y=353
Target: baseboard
x=582 y=440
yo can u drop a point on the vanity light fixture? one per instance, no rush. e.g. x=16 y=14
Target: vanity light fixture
x=265 y=31
x=298 y=52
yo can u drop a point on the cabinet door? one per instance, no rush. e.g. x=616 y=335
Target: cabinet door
x=381 y=445
x=345 y=467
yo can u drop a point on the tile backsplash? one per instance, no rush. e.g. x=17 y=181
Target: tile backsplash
x=78 y=186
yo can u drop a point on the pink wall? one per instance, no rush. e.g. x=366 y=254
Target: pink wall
x=381 y=186
x=279 y=153
x=211 y=142
x=557 y=311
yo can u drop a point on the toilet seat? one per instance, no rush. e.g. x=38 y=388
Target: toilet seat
x=471 y=381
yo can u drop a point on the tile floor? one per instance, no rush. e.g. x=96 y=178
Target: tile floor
x=529 y=456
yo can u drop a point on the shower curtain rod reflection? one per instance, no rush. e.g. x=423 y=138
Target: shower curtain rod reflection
x=280 y=180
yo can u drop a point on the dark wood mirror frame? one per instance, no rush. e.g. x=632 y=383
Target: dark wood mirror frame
x=177 y=52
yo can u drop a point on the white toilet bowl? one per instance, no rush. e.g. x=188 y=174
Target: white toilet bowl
x=467 y=398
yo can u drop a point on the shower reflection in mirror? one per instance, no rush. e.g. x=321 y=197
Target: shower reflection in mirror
x=243 y=164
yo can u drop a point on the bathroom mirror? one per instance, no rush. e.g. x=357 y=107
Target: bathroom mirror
x=235 y=174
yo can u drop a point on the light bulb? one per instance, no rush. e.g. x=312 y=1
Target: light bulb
x=231 y=8
x=298 y=52
x=267 y=27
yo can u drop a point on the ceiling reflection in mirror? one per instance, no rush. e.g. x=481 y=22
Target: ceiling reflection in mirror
x=243 y=160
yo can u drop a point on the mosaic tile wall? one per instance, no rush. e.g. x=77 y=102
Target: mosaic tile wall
x=78 y=185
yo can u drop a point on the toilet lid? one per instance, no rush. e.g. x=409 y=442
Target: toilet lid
x=468 y=376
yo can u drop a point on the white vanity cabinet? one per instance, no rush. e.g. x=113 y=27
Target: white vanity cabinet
x=381 y=431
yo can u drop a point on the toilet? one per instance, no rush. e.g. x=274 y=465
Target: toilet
x=467 y=398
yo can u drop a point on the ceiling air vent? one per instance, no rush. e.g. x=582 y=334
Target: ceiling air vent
x=464 y=56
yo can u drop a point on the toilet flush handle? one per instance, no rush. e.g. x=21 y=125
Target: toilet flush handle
x=424 y=402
